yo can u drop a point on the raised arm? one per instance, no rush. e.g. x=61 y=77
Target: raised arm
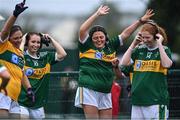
x=61 y=54
x=129 y=30
x=102 y=10
x=19 y=8
x=165 y=60
x=126 y=59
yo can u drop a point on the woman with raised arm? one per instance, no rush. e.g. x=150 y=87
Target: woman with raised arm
x=12 y=58
x=97 y=51
x=151 y=61
x=37 y=69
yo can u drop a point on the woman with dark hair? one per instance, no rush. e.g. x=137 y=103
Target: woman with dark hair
x=151 y=61
x=97 y=51
x=12 y=58
x=37 y=68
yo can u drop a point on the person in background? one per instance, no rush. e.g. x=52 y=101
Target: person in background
x=151 y=60
x=37 y=69
x=96 y=76
x=12 y=58
x=116 y=89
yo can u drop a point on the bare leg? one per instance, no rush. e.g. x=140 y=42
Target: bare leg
x=106 y=114
x=91 y=112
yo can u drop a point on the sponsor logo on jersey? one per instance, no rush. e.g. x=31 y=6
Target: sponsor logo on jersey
x=98 y=55
x=149 y=65
x=37 y=73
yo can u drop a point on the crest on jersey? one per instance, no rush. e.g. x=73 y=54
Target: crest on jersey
x=15 y=59
x=29 y=72
x=98 y=55
x=138 y=64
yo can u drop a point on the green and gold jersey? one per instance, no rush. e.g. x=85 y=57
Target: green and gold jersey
x=12 y=58
x=37 y=71
x=2 y=68
x=96 y=71
x=149 y=84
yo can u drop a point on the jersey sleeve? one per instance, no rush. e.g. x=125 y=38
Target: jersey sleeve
x=51 y=58
x=126 y=69
x=85 y=45
x=115 y=42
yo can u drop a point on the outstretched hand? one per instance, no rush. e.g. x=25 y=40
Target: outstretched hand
x=19 y=8
x=103 y=10
x=149 y=13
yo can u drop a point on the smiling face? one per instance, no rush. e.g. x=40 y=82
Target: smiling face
x=34 y=44
x=148 y=33
x=148 y=39
x=16 y=38
x=99 y=39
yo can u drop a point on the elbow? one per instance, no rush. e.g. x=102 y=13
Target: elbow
x=124 y=35
x=64 y=55
x=61 y=56
x=4 y=35
x=167 y=65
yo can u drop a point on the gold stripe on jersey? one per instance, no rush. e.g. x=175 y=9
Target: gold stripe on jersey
x=92 y=54
x=149 y=66
x=131 y=76
x=14 y=86
x=38 y=73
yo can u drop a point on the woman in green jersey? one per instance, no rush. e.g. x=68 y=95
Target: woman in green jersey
x=37 y=69
x=97 y=51
x=150 y=63
x=12 y=58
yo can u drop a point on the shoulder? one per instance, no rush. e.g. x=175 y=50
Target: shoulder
x=165 y=47
x=43 y=54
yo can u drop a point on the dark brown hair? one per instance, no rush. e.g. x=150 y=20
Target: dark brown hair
x=14 y=29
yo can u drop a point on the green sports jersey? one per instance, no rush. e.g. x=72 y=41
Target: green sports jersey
x=149 y=84
x=95 y=65
x=128 y=71
x=37 y=71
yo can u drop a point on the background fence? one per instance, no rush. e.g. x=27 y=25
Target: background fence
x=63 y=88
